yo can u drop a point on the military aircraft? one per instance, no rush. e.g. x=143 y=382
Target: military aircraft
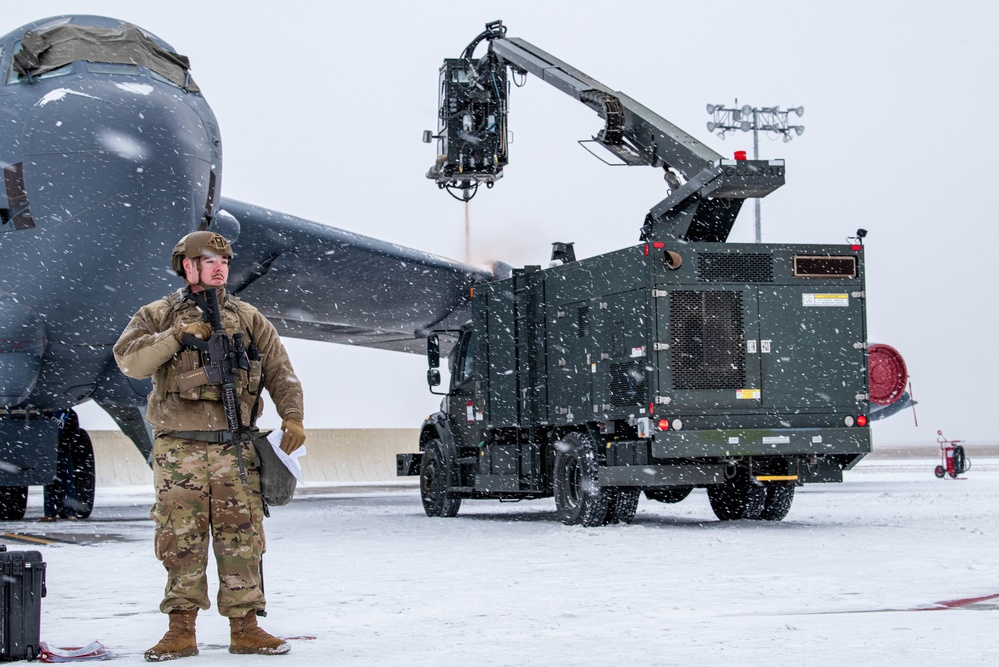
x=110 y=153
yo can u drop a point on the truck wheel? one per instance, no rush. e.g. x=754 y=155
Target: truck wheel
x=778 y=502
x=737 y=498
x=13 y=502
x=437 y=501
x=579 y=499
x=622 y=504
x=674 y=495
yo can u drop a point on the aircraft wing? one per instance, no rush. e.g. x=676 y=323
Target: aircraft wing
x=321 y=283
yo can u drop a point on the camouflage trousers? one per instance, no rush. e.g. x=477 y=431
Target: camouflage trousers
x=199 y=495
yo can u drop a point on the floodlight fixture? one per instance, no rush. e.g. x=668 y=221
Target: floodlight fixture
x=772 y=120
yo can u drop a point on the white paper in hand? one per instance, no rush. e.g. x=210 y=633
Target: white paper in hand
x=290 y=461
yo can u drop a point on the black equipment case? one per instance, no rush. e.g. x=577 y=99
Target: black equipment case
x=23 y=584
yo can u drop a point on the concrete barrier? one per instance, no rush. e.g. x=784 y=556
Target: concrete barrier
x=356 y=455
x=334 y=455
x=929 y=451
x=117 y=460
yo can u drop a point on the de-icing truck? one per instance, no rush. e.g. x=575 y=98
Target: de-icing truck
x=677 y=363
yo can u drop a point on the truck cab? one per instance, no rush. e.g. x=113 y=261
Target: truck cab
x=678 y=363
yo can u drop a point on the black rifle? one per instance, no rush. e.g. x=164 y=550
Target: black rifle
x=222 y=358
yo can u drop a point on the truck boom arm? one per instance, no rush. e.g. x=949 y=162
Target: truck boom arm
x=702 y=208
x=658 y=142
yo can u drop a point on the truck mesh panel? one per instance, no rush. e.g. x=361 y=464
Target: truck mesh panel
x=735 y=268
x=706 y=346
x=627 y=384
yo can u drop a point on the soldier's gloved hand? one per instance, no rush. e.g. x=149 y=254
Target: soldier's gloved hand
x=201 y=330
x=294 y=435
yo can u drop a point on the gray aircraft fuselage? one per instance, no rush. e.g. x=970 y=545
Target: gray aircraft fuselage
x=106 y=166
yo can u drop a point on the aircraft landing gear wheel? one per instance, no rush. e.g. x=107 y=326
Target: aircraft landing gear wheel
x=437 y=500
x=622 y=504
x=80 y=503
x=579 y=500
x=778 y=501
x=71 y=494
x=939 y=472
x=738 y=498
x=13 y=502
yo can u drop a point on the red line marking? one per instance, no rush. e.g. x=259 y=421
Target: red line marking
x=956 y=604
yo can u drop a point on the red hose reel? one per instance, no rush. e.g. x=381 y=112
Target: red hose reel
x=887 y=372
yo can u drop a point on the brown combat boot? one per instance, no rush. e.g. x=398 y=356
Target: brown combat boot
x=179 y=641
x=245 y=636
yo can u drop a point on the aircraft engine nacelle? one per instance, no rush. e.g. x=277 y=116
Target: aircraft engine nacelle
x=22 y=344
x=226 y=224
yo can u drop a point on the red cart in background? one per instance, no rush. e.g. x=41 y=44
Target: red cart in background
x=953 y=461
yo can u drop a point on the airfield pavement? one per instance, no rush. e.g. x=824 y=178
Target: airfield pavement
x=892 y=567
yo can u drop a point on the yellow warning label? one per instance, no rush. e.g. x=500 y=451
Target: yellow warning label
x=825 y=300
x=753 y=394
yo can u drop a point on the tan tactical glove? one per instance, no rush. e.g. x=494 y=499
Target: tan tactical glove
x=294 y=435
x=201 y=330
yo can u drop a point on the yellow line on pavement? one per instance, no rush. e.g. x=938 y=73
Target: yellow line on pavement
x=28 y=538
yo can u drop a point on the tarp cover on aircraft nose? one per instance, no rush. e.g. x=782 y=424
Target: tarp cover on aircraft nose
x=45 y=50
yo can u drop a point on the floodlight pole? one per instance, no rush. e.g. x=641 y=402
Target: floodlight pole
x=768 y=119
x=756 y=156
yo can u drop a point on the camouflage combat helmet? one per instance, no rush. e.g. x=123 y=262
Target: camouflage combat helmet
x=199 y=244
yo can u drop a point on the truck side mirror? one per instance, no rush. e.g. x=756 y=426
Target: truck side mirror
x=434 y=353
x=434 y=360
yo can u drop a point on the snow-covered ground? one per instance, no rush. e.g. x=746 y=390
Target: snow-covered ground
x=856 y=575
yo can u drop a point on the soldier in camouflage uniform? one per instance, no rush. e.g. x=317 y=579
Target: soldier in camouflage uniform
x=195 y=466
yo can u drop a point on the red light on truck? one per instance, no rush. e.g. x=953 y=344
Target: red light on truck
x=862 y=420
x=663 y=424
x=740 y=155
x=658 y=245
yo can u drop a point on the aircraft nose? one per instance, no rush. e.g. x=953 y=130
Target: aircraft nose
x=138 y=150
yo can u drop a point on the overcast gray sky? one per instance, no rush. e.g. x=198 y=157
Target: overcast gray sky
x=321 y=106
